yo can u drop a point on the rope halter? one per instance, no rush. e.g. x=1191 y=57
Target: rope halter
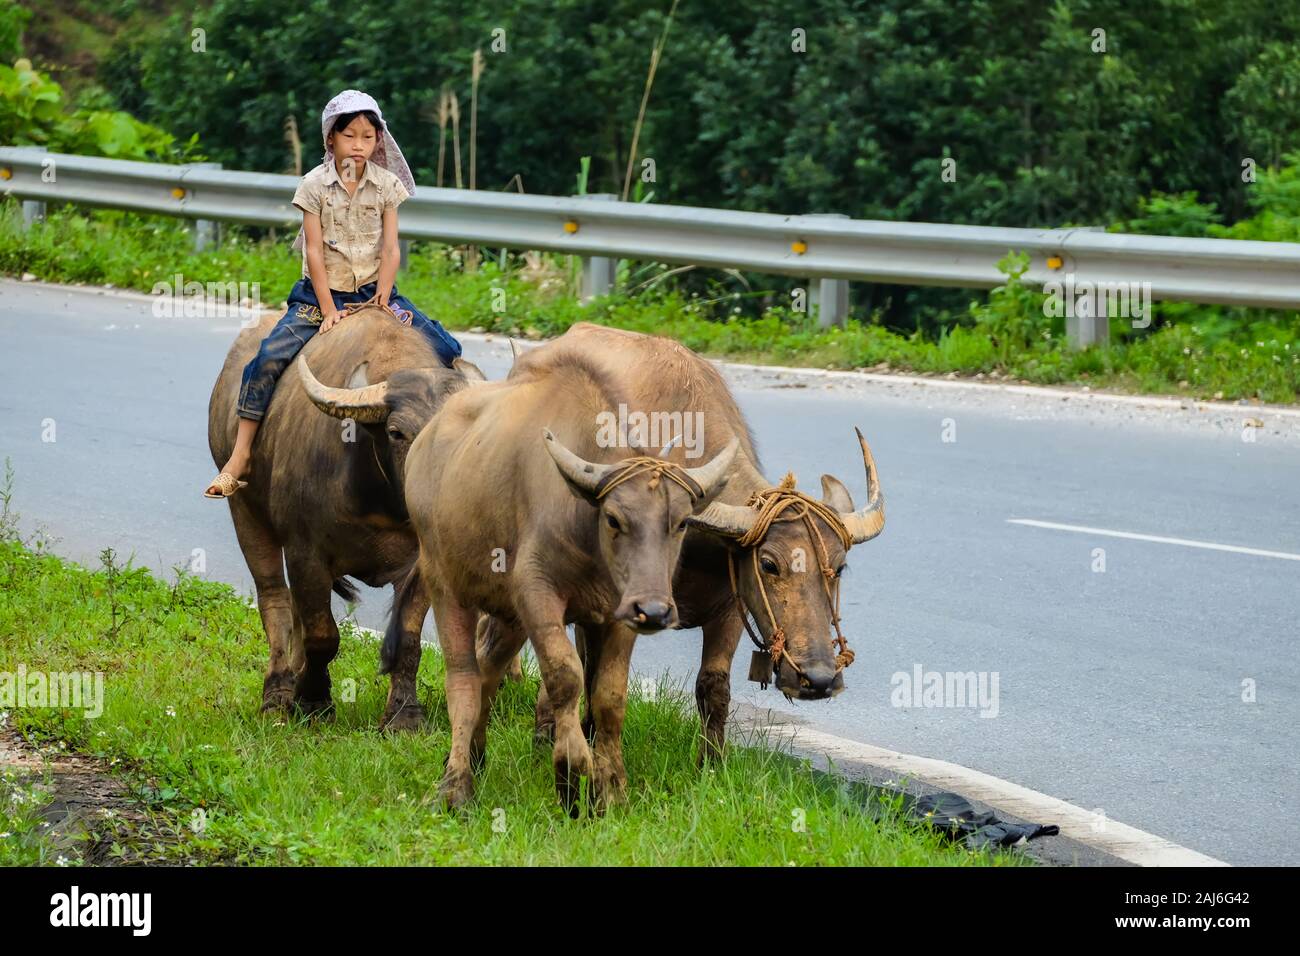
x=785 y=503
x=657 y=469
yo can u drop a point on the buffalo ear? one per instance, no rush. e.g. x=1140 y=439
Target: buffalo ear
x=835 y=495
x=468 y=369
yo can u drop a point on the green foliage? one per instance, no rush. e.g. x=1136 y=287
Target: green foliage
x=1230 y=353
x=1046 y=127
x=12 y=20
x=222 y=783
x=34 y=112
x=1161 y=214
x=1013 y=316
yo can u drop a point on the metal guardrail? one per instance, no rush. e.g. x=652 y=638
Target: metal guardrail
x=825 y=247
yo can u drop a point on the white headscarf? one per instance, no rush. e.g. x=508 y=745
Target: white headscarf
x=387 y=153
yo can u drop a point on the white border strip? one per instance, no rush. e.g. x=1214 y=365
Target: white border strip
x=1118 y=839
x=1134 y=536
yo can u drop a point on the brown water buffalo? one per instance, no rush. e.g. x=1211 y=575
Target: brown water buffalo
x=523 y=513
x=791 y=565
x=324 y=497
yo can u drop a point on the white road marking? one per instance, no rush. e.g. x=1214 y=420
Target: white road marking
x=1186 y=543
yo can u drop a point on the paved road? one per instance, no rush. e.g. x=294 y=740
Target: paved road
x=1119 y=689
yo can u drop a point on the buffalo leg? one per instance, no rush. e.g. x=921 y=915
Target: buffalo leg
x=607 y=705
x=515 y=671
x=543 y=620
x=404 y=710
x=456 y=636
x=265 y=561
x=498 y=644
x=713 y=683
x=543 y=717
x=320 y=637
x=589 y=640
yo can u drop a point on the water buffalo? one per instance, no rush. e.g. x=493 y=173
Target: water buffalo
x=785 y=571
x=324 y=497
x=523 y=513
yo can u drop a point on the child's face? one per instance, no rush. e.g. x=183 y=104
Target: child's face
x=353 y=145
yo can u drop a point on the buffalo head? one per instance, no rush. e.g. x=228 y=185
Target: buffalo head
x=393 y=411
x=641 y=518
x=782 y=571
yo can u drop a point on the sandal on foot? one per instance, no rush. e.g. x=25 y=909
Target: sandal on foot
x=226 y=483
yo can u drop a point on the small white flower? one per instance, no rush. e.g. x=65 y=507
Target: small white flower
x=5 y=834
x=62 y=861
x=171 y=711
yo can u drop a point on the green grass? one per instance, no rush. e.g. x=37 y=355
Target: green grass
x=182 y=664
x=1199 y=352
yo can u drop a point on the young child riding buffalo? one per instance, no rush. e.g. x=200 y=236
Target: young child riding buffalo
x=350 y=257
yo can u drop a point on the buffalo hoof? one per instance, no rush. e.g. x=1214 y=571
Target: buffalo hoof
x=315 y=709
x=408 y=717
x=572 y=767
x=609 y=789
x=456 y=789
x=709 y=752
x=278 y=704
x=544 y=735
x=277 y=694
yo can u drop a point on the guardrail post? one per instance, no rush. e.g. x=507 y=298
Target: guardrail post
x=829 y=298
x=405 y=246
x=207 y=233
x=33 y=209
x=1083 y=329
x=597 y=271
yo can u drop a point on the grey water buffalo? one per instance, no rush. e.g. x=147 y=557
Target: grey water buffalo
x=324 y=498
x=525 y=514
x=762 y=556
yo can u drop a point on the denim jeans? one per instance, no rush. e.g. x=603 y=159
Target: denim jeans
x=300 y=323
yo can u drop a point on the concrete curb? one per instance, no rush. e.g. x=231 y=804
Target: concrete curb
x=1082 y=826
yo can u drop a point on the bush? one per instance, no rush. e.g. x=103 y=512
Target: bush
x=33 y=112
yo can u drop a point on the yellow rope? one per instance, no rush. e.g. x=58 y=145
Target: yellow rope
x=656 y=468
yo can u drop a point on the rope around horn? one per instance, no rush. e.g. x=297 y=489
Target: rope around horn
x=657 y=469
x=785 y=503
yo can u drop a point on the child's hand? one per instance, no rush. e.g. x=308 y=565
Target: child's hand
x=332 y=318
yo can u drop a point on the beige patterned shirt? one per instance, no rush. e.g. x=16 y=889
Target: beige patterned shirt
x=352 y=227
